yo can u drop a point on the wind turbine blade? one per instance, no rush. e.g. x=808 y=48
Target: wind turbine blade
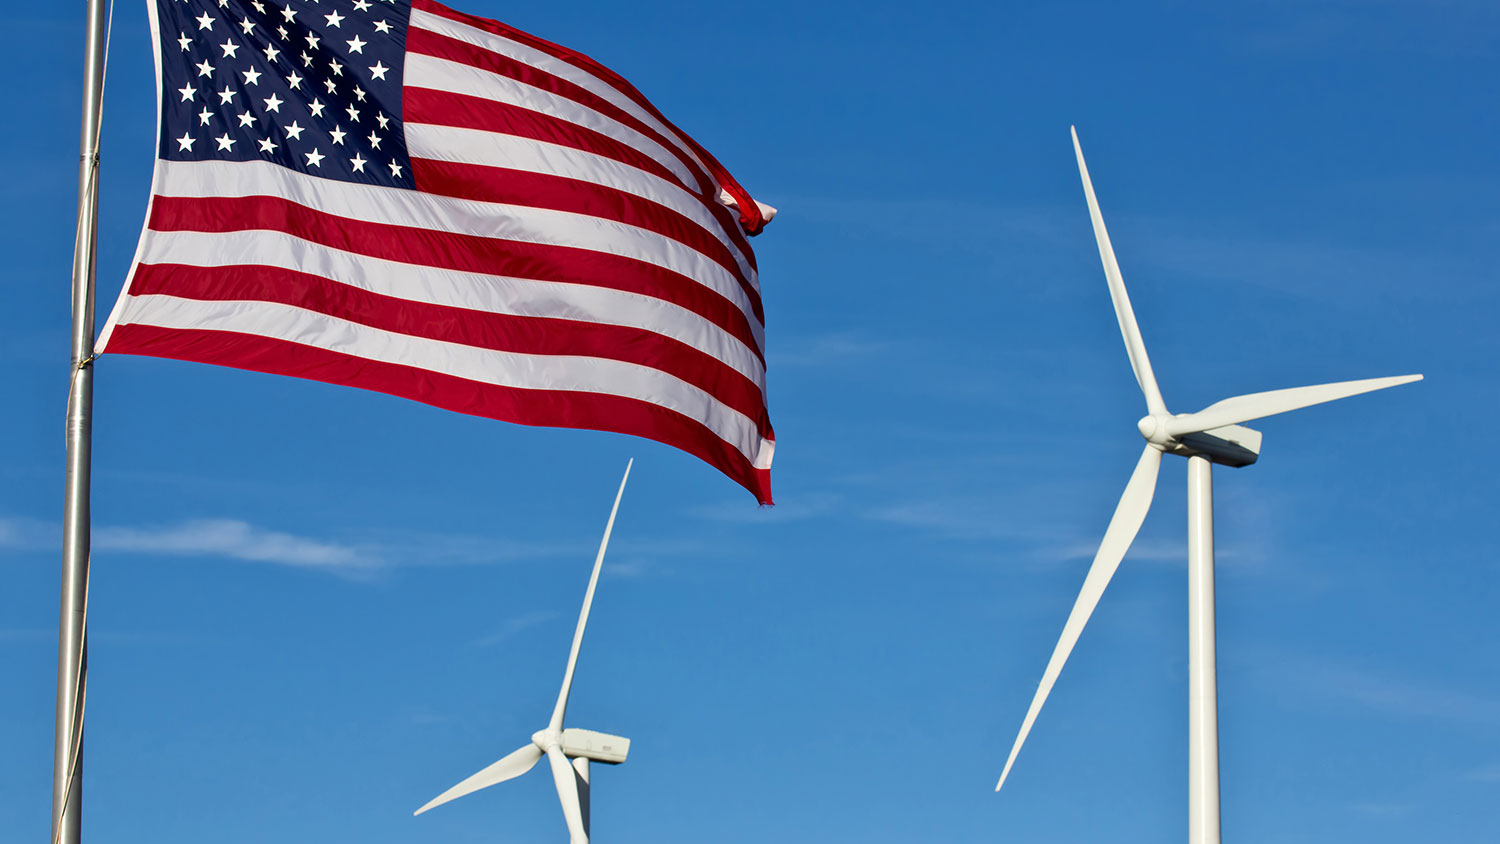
x=1123 y=527
x=513 y=765
x=1134 y=345
x=1258 y=405
x=567 y=793
x=583 y=616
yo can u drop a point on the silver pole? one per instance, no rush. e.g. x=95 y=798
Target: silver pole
x=1203 y=683
x=72 y=633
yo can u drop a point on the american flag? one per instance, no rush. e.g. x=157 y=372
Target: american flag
x=392 y=195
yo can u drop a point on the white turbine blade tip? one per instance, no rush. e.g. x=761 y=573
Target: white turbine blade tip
x=1239 y=409
x=1130 y=331
x=512 y=765
x=588 y=599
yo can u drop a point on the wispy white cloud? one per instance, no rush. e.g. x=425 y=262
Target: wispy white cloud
x=638 y=559
x=26 y=634
x=1381 y=809
x=961 y=223
x=28 y=534
x=376 y=551
x=514 y=625
x=1426 y=27
x=1312 y=270
x=822 y=349
x=411 y=548
x=1167 y=552
x=1046 y=235
x=1484 y=773
x=48 y=636
x=959 y=518
x=236 y=540
x=1025 y=517
x=1035 y=536
x=1390 y=695
x=632 y=569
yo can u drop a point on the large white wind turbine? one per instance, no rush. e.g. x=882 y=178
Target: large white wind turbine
x=567 y=750
x=1212 y=435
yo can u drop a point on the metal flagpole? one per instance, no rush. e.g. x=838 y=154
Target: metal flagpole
x=1203 y=678
x=72 y=635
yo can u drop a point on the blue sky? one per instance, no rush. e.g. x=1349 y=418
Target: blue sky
x=315 y=608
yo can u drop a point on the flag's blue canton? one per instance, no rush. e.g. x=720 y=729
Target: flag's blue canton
x=313 y=86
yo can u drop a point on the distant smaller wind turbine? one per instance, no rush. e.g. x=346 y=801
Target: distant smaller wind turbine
x=568 y=751
x=1212 y=435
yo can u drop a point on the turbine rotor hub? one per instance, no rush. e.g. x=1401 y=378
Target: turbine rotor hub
x=1153 y=430
x=546 y=739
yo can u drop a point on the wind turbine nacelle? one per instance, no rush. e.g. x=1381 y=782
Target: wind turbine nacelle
x=597 y=747
x=1231 y=445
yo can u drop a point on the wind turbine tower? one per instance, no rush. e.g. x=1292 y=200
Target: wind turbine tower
x=1212 y=435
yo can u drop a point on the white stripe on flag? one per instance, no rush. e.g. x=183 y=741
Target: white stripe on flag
x=457 y=78
x=503 y=369
x=400 y=207
x=492 y=149
x=452 y=288
x=551 y=65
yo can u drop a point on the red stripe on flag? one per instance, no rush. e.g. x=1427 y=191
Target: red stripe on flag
x=480 y=329
x=440 y=46
x=445 y=108
x=540 y=190
x=550 y=408
x=750 y=216
x=469 y=253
